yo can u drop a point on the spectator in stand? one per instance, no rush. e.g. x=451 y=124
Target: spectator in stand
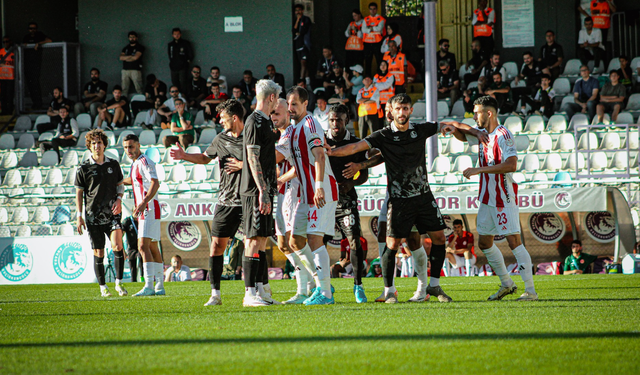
x=577 y=262
x=368 y=100
x=211 y=102
x=375 y=270
x=590 y=45
x=196 y=89
x=585 y=93
x=354 y=48
x=355 y=83
x=495 y=67
x=448 y=82
x=302 y=40
x=325 y=65
x=601 y=11
x=7 y=76
x=115 y=112
x=93 y=95
x=585 y=10
x=531 y=72
x=397 y=66
x=214 y=76
x=180 y=56
x=321 y=113
x=131 y=57
x=153 y=118
x=542 y=102
x=444 y=54
x=33 y=63
x=484 y=19
x=248 y=84
x=237 y=94
x=551 y=55
x=181 y=126
x=392 y=34
x=177 y=271
x=611 y=98
x=501 y=91
x=152 y=90
x=384 y=82
x=336 y=76
x=312 y=97
x=625 y=73
x=53 y=112
x=169 y=106
x=340 y=96
x=275 y=77
x=66 y=135
x=471 y=95
x=373 y=30
x=478 y=60
x=460 y=248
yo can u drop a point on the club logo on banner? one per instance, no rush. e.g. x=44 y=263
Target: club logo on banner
x=16 y=262
x=69 y=261
x=184 y=235
x=165 y=209
x=374 y=226
x=562 y=200
x=547 y=227
x=601 y=226
x=448 y=221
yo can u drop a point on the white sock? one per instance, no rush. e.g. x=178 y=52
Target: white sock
x=301 y=277
x=159 y=275
x=147 y=269
x=467 y=264
x=388 y=290
x=524 y=260
x=323 y=264
x=434 y=281
x=249 y=292
x=215 y=293
x=118 y=282
x=260 y=288
x=381 y=246
x=420 y=263
x=496 y=261
x=103 y=287
x=306 y=258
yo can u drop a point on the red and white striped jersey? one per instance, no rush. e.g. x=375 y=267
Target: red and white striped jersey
x=497 y=190
x=305 y=136
x=142 y=171
x=284 y=147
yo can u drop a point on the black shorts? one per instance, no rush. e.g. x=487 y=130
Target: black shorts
x=609 y=107
x=97 y=233
x=255 y=224
x=421 y=211
x=303 y=54
x=348 y=224
x=226 y=221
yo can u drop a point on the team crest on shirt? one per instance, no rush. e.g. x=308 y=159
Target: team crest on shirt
x=509 y=142
x=413 y=134
x=109 y=170
x=396 y=138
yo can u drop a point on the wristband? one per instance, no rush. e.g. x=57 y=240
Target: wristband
x=318 y=185
x=119 y=197
x=78 y=214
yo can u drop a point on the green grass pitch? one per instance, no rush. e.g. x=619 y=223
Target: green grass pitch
x=585 y=324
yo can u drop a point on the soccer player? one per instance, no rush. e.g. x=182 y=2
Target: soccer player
x=99 y=190
x=498 y=213
x=411 y=202
x=460 y=248
x=258 y=188
x=347 y=217
x=318 y=194
x=227 y=215
x=145 y=184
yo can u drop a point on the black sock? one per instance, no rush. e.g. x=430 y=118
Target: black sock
x=215 y=271
x=265 y=268
x=356 y=262
x=437 y=256
x=250 y=265
x=388 y=266
x=98 y=268
x=119 y=258
x=133 y=267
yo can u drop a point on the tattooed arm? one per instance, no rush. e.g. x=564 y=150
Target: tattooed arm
x=253 y=154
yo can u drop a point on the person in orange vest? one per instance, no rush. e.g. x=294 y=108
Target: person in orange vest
x=355 y=46
x=483 y=20
x=368 y=100
x=373 y=31
x=397 y=66
x=7 y=75
x=384 y=82
x=601 y=11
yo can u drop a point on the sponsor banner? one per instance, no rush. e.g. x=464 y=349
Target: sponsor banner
x=451 y=203
x=546 y=227
x=184 y=235
x=601 y=226
x=46 y=260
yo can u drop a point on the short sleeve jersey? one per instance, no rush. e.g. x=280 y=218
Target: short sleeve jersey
x=183 y=275
x=551 y=53
x=463 y=241
x=259 y=131
x=162 y=87
x=449 y=79
x=187 y=117
x=125 y=107
x=338 y=164
x=56 y=105
x=95 y=87
x=223 y=147
x=130 y=50
x=497 y=190
x=404 y=157
x=284 y=147
x=143 y=170
x=99 y=183
x=581 y=263
x=533 y=75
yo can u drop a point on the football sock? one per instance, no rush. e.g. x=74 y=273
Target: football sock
x=467 y=264
x=322 y=262
x=216 y=263
x=98 y=267
x=133 y=267
x=215 y=292
x=262 y=260
x=496 y=261
x=525 y=267
x=389 y=290
x=388 y=263
x=250 y=266
x=265 y=268
x=301 y=277
x=381 y=247
x=103 y=287
x=420 y=262
x=159 y=275
x=119 y=260
x=306 y=259
x=356 y=262
x=147 y=269
x=438 y=254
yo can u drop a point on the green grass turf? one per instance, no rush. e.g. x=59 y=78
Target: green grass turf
x=582 y=324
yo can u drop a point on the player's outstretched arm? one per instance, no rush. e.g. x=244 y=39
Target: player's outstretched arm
x=180 y=154
x=353 y=168
x=349 y=149
x=510 y=165
x=460 y=131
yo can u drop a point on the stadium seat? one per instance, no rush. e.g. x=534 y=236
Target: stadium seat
x=185 y=190
x=4 y=215
x=112 y=153
x=160 y=172
x=565 y=142
x=454 y=146
x=193 y=149
x=570 y=164
x=441 y=165
x=163 y=133
x=33 y=177
x=562 y=86
x=26 y=141
x=42 y=230
x=36 y=200
x=442 y=109
x=9 y=160
x=70 y=177
x=588 y=141
x=140 y=118
x=469 y=121
x=530 y=163
x=7 y=142
x=23 y=124
x=557 y=124
x=122 y=135
x=215 y=172
x=577 y=120
x=562 y=177
x=614 y=64
x=462 y=162
x=49 y=159
x=42 y=119
x=198 y=173
x=208 y=134
x=606 y=120
x=553 y=162
x=463 y=70
x=138 y=98
x=633 y=140
x=178 y=174
x=521 y=83
x=539 y=177
x=40 y=215
x=29 y=159
x=16 y=196
x=633 y=103
x=518 y=177
x=624 y=118
x=153 y=153
x=20 y=215
x=472 y=84
x=54 y=177
x=206 y=187
x=522 y=143
x=5 y=231
x=620 y=160
x=199 y=118
x=512 y=70
x=535 y=124
x=66 y=230
x=23 y=231
x=458 y=109
x=452 y=181
x=610 y=141
x=572 y=69
x=543 y=143
x=163 y=189
x=69 y=159
x=419 y=110
x=111 y=136
x=12 y=178
x=125 y=160
x=147 y=138
x=82 y=138
x=84 y=122
x=598 y=160
x=514 y=124
x=167 y=159
x=46 y=136
x=592 y=64
x=86 y=154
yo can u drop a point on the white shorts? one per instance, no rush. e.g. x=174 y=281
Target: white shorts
x=460 y=261
x=283 y=213
x=322 y=221
x=149 y=227
x=494 y=221
x=297 y=223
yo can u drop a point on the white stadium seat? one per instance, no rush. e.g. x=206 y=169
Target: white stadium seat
x=23 y=123
x=557 y=124
x=26 y=141
x=562 y=86
x=20 y=215
x=33 y=177
x=49 y=159
x=207 y=136
x=530 y=163
x=147 y=138
x=599 y=160
x=565 y=142
x=198 y=173
x=7 y=142
x=570 y=164
x=588 y=141
x=543 y=143
x=41 y=215
x=610 y=141
x=535 y=124
x=54 y=177
x=12 y=178
x=553 y=162
x=462 y=162
x=514 y=124
x=441 y=165
x=178 y=174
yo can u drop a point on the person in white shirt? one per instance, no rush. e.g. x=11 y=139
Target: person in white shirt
x=216 y=77
x=178 y=271
x=168 y=108
x=590 y=45
x=321 y=113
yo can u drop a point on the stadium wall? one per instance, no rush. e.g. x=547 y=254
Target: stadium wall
x=103 y=29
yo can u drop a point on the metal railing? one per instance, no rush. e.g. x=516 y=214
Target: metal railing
x=626 y=35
